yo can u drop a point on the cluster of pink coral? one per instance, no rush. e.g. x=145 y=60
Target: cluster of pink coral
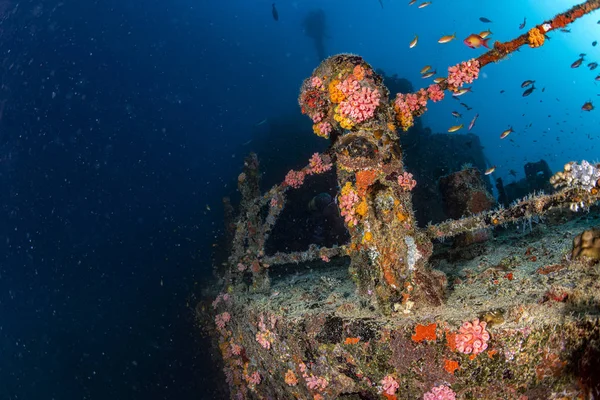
x=360 y=105
x=316 y=382
x=465 y=72
x=316 y=82
x=406 y=181
x=389 y=385
x=413 y=101
x=253 y=378
x=348 y=85
x=346 y=204
x=294 y=179
x=441 y=392
x=318 y=116
x=262 y=338
x=472 y=337
x=222 y=319
x=319 y=164
x=435 y=93
x=323 y=129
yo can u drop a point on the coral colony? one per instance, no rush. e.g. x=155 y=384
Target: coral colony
x=395 y=350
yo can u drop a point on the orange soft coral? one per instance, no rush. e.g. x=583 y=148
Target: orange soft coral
x=424 y=332
x=536 y=38
x=335 y=94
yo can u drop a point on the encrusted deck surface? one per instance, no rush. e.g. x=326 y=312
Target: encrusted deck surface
x=313 y=337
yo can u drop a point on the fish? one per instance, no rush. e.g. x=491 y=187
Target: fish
x=472 y=124
x=506 y=132
x=414 y=42
x=466 y=106
x=485 y=34
x=513 y=173
x=565 y=30
x=474 y=41
x=460 y=92
x=594 y=43
x=275 y=13
x=423 y=5
x=412 y=2
x=527 y=83
x=439 y=79
x=577 y=63
x=455 y=128
x=428 y=75
x=264 y=121
x=447 y=38
x=593 y=66
x=523 y=24
x=381 y=3
x=502 y=91
x=582 y=54
x=529 y=91
x=490 y=170
x=456 y=114
x=597 y=78
x=485 y=20
x=425 y=69
x=587 y=106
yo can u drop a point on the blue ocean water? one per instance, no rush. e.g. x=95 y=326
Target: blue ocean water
x=124 y=123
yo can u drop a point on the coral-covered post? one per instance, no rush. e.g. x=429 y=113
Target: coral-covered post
x=349 y=104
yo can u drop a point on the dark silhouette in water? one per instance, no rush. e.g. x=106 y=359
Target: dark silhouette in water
x=275 y=13
x=314 y=27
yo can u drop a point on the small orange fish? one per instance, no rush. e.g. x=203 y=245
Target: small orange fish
x=485 y=34
x=460 y=92
x=587 y=106
x=455 y=128
x=441 y=79
x=414 y=42
x=423 y=5
x=425 y=69
x=490 y=170
x=506 y=133
x=474 y=41
x=447 y=38
x=428 y=75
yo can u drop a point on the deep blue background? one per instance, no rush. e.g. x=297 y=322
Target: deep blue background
x=124 y=122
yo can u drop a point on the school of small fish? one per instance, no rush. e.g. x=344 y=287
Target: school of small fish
x=475 y=41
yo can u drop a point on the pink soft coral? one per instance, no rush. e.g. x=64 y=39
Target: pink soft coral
x=441 y=392
x=389 y=385
x=360 y=105
x=435 y=92
x=319 y=164
x=348 y=85
x=406 y=181
x=472 y=337
x=295 y=179
x=222 y=319
x=323 y=129
x=346 y=204
x=465 y=72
